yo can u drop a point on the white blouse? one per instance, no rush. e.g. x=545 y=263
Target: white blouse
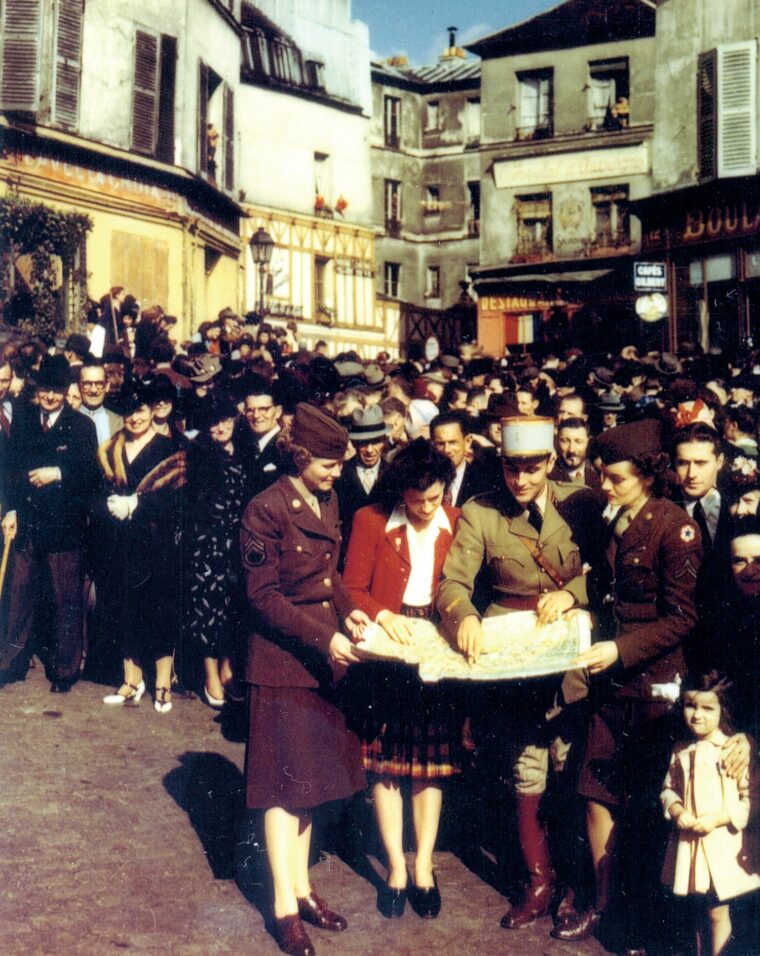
x=421 y=543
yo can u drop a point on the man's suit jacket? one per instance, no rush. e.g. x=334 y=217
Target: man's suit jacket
x=352 y=496
x=53 y=517
x=481 y=475
x=591 y=477
x=262 y=469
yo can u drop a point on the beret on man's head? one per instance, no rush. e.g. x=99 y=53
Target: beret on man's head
x=319 y=433
x=626 y=442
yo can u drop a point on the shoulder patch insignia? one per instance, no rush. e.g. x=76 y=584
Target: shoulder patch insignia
x=254 y=552
x=687 y=533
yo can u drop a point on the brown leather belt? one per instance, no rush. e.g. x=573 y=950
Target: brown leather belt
x=518 y=602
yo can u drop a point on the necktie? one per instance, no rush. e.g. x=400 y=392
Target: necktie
x=701 y=520
x=45 y=421
x=535 y=518
x=447 y=497
x=5 y=423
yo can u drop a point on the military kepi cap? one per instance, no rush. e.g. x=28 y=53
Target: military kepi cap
x=626 y=442
x=319 y=433
x=525 y=436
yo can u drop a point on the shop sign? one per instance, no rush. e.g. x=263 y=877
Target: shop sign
x=498 y=304
x=650 y=277
x=104 y=183
x=727 y=220
x=571 y=167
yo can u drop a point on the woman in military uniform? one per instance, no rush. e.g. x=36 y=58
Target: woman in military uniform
x=531 y=537
x=300 y=752
x=643 y=594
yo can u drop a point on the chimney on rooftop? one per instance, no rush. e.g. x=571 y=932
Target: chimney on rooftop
x=452 y=53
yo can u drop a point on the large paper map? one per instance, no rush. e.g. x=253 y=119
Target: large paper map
x=513 y=647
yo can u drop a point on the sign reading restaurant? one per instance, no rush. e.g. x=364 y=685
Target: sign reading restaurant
x=572 y=167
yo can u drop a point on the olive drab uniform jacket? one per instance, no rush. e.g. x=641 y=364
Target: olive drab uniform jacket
x=296 y=596
x=489 y=536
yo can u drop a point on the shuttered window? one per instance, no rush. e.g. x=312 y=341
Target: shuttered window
x=707 y=102
x=203 y=118
x=165 y=138
x=145 y=93
x=229 y=138
x=726 y=97
x=68 y=63
x=737 y=146
x=20 y=22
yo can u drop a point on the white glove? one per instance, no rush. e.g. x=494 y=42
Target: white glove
x=121 y=507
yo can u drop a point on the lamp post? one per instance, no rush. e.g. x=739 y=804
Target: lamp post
x=262 y=246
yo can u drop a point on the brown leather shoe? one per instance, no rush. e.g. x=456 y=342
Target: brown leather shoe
x=312 y=909
x=584 y=926
x=291 y=936
x=537 y=903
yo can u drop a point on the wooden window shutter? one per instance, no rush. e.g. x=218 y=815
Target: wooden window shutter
x=229 y=138
x=737 y=128
x=166 y=96
x=68 y=63
x=707 y=115
x=20 y=22
x=145 y=93
x=203 y=118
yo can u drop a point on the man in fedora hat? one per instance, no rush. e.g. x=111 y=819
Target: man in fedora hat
x=530 y=538
x=369 y=436
x=52 y=474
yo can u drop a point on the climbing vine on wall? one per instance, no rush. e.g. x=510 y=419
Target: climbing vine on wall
x=46 y=236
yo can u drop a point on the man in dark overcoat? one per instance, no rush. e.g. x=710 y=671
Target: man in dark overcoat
x=52 y=475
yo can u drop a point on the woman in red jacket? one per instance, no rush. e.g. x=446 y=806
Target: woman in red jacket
x=393 y=566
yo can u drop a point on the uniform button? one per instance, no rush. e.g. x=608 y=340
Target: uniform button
x=296 y=503
x=635 y=560
x=299 y=547
x=327 y=582
x=649 y=515
x=544 y=590
x=328 y=556
x=325 y=604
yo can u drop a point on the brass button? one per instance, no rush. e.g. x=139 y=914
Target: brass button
x=327 y=582
x=296 y=503
x=635 y=560
x=325 y=604
x=649 y=515
x=328 y=556
x=299 y=547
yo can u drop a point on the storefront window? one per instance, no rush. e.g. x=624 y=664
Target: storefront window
x=707 y=302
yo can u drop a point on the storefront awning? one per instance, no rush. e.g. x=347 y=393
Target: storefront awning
x=557 y=278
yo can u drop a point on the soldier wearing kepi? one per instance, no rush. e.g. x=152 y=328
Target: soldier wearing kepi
x=532 y=537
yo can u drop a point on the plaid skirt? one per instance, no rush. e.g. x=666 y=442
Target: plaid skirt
x=415 y=729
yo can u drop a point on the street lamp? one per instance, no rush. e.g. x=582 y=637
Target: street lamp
x=262 y=245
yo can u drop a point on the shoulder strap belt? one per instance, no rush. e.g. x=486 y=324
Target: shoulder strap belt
x=538 y=557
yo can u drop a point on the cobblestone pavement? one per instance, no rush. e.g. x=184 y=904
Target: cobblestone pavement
x=117 y=835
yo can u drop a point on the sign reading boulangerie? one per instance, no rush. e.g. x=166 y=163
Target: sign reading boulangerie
x=706 y=222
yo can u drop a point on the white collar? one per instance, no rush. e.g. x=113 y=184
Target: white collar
x=398 y=519
x=265 y=439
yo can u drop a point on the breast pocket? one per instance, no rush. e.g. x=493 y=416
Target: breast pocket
x=506 y=567
x=636 y=578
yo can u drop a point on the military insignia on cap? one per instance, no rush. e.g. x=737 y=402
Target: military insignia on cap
x=688 y=533
x=254 y=552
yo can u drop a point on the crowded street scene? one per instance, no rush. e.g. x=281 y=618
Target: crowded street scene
x=379 y=483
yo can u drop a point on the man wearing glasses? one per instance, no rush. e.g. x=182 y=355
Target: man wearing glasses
x=92 y=385
x=262 y=408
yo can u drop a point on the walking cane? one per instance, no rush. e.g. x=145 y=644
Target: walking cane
x=4 y=563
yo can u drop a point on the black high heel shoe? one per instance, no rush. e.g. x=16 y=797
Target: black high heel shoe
x=391 y=901
x=426 y=901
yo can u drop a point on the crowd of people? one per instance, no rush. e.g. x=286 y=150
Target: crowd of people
x=226 y=516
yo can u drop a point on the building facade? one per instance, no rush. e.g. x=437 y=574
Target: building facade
x=703 y=219
x=568 y=107
x=426 y=181
x=305 y=173
x=127 y=114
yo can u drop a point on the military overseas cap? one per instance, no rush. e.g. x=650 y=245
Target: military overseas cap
x=319 y=433
x=626 y=442
x=525 y=436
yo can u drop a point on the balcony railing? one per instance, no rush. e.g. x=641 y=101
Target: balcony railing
x=532 y=251
x=540 y=131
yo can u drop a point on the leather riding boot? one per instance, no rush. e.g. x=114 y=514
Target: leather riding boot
x=535 y=850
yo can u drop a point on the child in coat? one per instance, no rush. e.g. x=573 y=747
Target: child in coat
x=709 y=855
